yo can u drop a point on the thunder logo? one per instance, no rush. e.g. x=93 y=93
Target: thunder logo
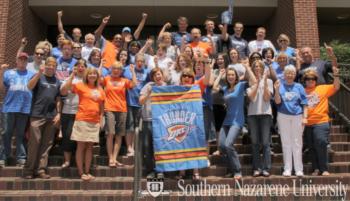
x=178 y=123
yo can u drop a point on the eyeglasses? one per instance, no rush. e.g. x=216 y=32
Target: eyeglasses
x=256 y=57
x=310 y=79
x=39 y=54
x=117 y=38
x=76 y=47
x=282 y=40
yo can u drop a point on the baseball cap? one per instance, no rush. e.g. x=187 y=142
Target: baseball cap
x=126 y=29
x=23 y=55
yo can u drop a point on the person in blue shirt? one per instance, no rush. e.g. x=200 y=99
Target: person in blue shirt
x=57 y=51
x=283 y=42
x=66 y=62
x=95 y=61
x=16 y=107
x=291 y=101
x=133 y=95
x=234 y=119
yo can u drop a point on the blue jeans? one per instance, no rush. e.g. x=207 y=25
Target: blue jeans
x=259 y=127
x=317 y=136
x=227 y=137
x=14 y=122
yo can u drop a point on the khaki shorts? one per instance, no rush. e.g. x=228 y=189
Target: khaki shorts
x=115 y=123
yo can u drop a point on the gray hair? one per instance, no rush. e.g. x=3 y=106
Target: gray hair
x=289 y=68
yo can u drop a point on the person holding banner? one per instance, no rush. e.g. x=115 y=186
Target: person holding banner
x=188 y=79
x=157 y=79
x=234 y=119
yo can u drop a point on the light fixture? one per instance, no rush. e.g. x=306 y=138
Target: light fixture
x=343 y=16
x=96 y=15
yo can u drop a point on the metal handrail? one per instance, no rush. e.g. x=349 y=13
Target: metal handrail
x=137 y=163
x=340 y=102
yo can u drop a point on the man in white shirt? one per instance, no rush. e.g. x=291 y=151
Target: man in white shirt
x=260 y=43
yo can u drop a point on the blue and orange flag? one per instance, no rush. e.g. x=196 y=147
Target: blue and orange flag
x=178 y=131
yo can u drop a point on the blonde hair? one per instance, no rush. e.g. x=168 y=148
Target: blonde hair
x=187 y=60
x=51 y=60
x=43 y=44
x=90 y=71
x=310 y=72
x=117 y=64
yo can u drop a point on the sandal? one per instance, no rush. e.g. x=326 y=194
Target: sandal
x=117 y=164
x=112 y=164
x=65 y=165
x=237 y=176
x=85 y=177
x=216 y=153
x=91 y=177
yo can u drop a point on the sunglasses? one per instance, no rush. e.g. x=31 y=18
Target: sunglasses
x=186 y=75
x=310 y=78
x=39 y=54
x=76 y=47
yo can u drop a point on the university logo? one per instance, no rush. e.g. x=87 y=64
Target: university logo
x=155 y=187
x=178 y=123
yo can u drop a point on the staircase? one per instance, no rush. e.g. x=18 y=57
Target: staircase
x=117 y=183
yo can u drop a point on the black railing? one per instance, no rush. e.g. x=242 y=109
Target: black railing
x=340 y=102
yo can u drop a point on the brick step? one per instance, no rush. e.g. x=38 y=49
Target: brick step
x=106 y=195
x=276 y=158
x=126 y=183
x=214 y=170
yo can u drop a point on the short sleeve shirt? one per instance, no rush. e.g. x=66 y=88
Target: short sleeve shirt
x=115 y=89
x=293 y=98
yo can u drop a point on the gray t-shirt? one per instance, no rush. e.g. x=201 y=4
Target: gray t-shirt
x=259 y=106
x=147 y=107
x=322 y=68
x=70 y=103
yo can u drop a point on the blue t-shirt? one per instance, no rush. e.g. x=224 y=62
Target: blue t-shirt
x=18 y=97
x=177 y=38
x=207 y=98
x=105 y=71
x=56 y=52
x=142 y=76
x=64 y=67
x=234 y=101
x=289 y=51
x=293 y=98
x=279 y=73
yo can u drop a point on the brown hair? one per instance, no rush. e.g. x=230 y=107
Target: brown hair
x=237 y=77
x=187 y=60
x=309 y=73
x=154 y=71
x=89 y=71
x=67 y=42
x=182 y=18
x=260 y=64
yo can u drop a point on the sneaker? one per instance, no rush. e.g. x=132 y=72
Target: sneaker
x=316 y=172
x=160 y=175
x=256 y=173
x=287 y=173
x=265 y=173
x=2 y=163
x=325 y=173
x=299 y=174
x=151 y=175
x=21 y=163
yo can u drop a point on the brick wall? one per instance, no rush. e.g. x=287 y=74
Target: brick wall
x=297 y=19
x=17 y=21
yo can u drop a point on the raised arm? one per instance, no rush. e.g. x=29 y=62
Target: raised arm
x=68 y=84
x=267 y=92
x=224 y=34
x=164 y=28
x=277 y=97
x=24 y=43
x=207 y=69
x=59 y=22
x=250 y=75
x=331 y=55
x=216 y=85
x=140 y=27
x=336 y=81
x=35 y=79
x=3 y=68
x=133 y=74
x=147 y=45
x=99 y=30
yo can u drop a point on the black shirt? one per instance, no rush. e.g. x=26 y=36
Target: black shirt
x=44 y=97
x=322 y=68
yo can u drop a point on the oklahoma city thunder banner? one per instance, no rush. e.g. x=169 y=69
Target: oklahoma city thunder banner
x=178 y=132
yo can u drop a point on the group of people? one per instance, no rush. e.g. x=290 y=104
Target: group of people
x=81 y=87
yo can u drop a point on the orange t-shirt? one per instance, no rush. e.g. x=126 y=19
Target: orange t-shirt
x=317 y=99
x=115 y=89
x=89 y=102
x=109 y=53
x=203 y=47
x=201 y=84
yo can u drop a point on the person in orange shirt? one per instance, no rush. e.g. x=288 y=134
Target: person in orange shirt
x=116 y=109
x=317 y=129
x=87 y=123
x=198 y=46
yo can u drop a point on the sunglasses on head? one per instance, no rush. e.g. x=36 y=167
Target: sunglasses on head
x=187 y=75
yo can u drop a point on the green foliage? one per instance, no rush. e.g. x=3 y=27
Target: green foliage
x=342 y=52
